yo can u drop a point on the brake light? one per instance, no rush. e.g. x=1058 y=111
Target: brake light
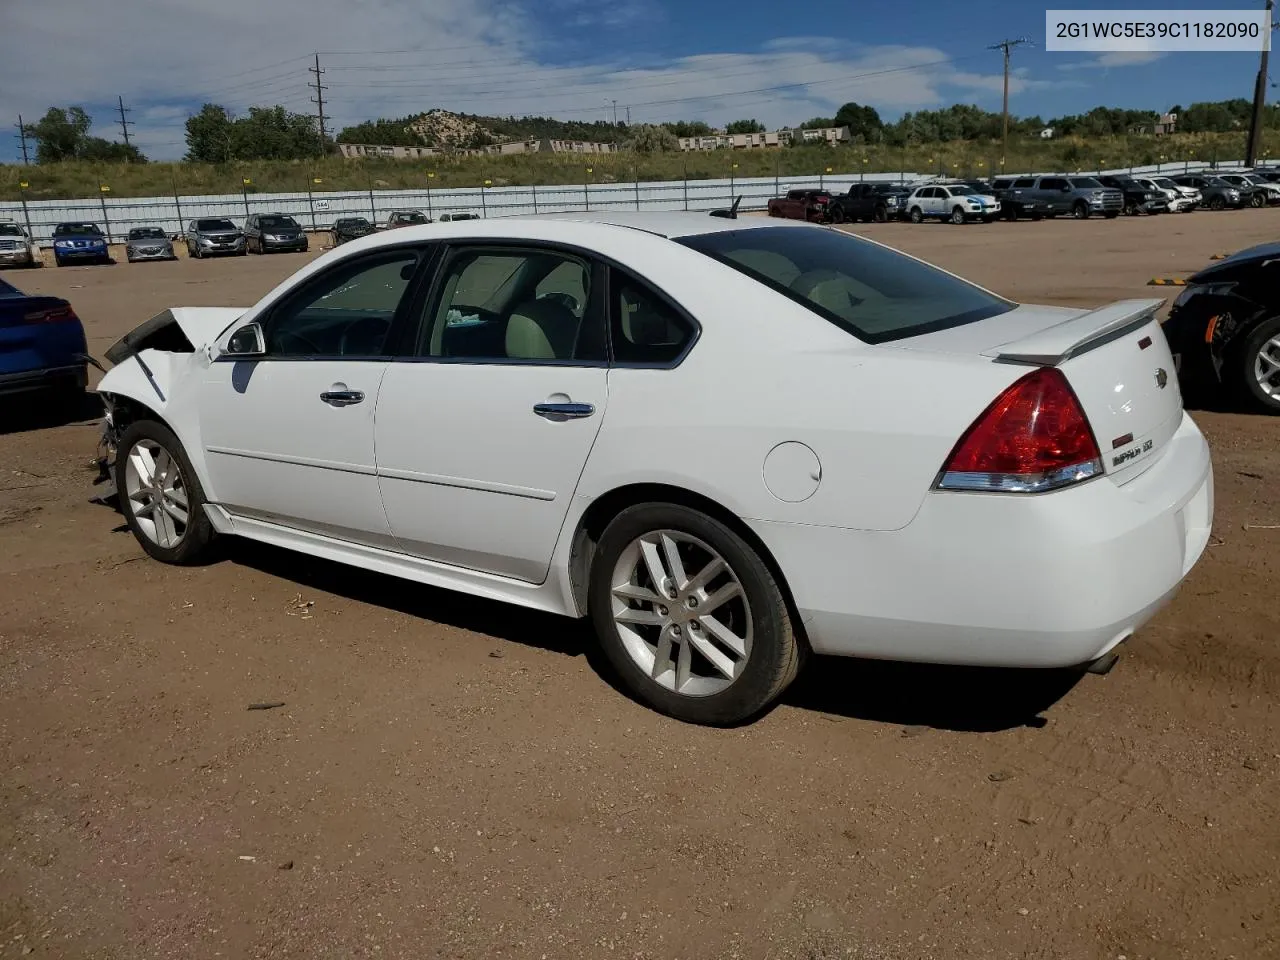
x=52 y=315
x=1033 y=438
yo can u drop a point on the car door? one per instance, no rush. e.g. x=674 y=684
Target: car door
x=482 y=434
x=288 y=434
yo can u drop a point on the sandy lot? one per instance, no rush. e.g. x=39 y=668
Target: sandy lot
x=451 y=778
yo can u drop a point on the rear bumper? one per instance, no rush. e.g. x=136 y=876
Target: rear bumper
x=1055 y=580
x=44 y=379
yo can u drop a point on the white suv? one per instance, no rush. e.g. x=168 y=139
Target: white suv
x=955 y=202
x=16 y=247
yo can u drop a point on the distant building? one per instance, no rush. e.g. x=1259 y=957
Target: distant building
x=354 y=151
x=774 y=138
x=1167 y=123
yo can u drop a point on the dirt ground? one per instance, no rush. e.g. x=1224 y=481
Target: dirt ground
x=456 y=779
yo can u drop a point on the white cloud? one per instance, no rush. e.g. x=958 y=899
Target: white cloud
x=1115 y=58
x=475 y=56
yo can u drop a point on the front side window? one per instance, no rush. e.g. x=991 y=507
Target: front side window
x=874 y=293
x=346 y=312
x=530 y=305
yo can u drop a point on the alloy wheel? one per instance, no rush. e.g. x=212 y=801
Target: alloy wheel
x=157 y=493
x=1266 y=367
x=681 y=613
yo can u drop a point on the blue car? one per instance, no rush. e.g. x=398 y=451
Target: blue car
x=79 y=242
x=42 y=346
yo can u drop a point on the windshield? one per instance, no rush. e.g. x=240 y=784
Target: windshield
x=1085 y=182
x=10 y=230
x=1165 y=183
x=220 y=224
x=353 y=222
x=870 y=291
x=146 y=233
x=414 y=217
x=63 y=229
x=1254 y=178
x=277 y=223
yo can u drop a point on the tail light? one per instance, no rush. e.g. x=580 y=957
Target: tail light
x=52 y=315
x=1033 y=438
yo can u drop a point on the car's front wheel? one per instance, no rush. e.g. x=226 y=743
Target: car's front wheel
x=1080 y=211
x=690 y=615
x=957 y=216
x=917 y=215
x=160 y=495
x=1261 y=365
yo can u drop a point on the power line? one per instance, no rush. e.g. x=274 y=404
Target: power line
x=318 y=100
x=1006 y=46
x=22 y=135
x=125 y=124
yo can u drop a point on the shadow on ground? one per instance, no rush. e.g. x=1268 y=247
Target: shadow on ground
x=948 y=698
x=24 y=412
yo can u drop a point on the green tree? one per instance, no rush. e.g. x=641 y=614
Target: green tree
x=652 y=138
x=862 y=121
x=817 y=123
x=64 y=135
x=209 y=135
x=689 y=128
x=745 y=126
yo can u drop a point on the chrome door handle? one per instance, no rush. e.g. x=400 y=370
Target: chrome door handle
x=341 y=398
x=564 y=411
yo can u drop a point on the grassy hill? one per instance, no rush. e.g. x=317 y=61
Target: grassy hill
x=976 y=158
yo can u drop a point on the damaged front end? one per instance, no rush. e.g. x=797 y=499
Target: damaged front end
x=105 y=460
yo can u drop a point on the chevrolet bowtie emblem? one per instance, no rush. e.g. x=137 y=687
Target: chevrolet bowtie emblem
x=1162 y=378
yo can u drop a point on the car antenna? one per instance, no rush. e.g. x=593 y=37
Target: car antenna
x=732 y=212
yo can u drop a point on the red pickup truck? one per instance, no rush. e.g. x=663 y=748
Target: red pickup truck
x=812 y=205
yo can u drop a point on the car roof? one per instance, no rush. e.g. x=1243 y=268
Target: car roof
x=664 y=224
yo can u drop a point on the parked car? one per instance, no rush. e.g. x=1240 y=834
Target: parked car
x=1259 y=191
x=1081 y=197
x=42 y=347
x=814 y=206
x=1224 y=329
x=214 y=236
x=1136 y=197
x=406 y=218
x=955 y=202
x=1215 y=193
x=994 y=529
x=873 y=201
x=447 y=217
x=1019 y=197
x=1174 y=199
x=148 y=243
x=268 y=232
x=1191 y=197
x=79 y=242
x=351 y=228
x=17 y=249
x=1271 y=175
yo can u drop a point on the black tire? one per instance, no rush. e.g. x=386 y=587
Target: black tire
x=1217 y=203
x=917 y=215
x=1036 y=217
x=1257 y=200
x=1080 y=211
x=1010 y=212
x=882 y=214
x=836 y=215
x=775 y=654
x=197 y=254
x=987 y=219
x=58 y=261
x=199 y=532
x=958 y=217
x=1247 y=358
x=1130 y=209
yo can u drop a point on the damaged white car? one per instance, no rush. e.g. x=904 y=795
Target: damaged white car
x=729 y=443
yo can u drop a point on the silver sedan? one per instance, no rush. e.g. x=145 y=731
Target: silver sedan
x=148 y=243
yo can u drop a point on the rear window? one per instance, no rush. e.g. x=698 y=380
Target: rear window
x=215 y=225
x=874 y=293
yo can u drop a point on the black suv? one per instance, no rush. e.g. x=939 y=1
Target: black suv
x=351 y=228
x=873 y=201
x=1137 y=197
x=265 y=232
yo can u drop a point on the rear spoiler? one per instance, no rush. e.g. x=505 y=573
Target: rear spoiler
x=1062 y=341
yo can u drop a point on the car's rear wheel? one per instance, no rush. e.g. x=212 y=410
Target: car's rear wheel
x=917 y=215
x=690 y=615
x=160 y=495
x=1260 y=365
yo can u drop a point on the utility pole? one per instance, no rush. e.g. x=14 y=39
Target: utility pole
x=1259 y=101
x=615 y=112
x=318 y=100
x=124 y=124
x=22 y=135
x=628 y=117
x=1006 y=46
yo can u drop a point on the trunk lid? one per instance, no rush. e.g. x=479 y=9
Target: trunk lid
x=1116 y=359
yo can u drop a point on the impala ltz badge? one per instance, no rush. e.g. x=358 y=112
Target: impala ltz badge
x=1162 y=378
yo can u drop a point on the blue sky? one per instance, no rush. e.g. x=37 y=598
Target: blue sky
x=715 y=60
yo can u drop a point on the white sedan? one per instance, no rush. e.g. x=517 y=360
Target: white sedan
x=729 y=443
x=955 y=202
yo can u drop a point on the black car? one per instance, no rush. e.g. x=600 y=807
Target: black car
x=1137 y=197
x=1224 y=329
x=267 y=232
x=873 y=201
x=351 y=228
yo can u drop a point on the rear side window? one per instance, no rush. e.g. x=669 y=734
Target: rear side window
x=874 y=293
x=1053 y=183
x=1024 y=182
x=644 y=328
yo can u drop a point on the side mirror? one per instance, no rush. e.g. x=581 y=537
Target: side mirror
x=248 y=341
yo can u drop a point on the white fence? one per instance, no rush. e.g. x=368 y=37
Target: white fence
x=317 y=211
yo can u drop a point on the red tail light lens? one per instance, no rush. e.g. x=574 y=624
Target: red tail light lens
x=52 y=315
x=1033 y=438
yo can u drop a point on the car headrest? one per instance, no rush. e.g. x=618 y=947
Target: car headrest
x=541 y=330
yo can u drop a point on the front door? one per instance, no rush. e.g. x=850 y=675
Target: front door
x=289 y=436
x=483 y=434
